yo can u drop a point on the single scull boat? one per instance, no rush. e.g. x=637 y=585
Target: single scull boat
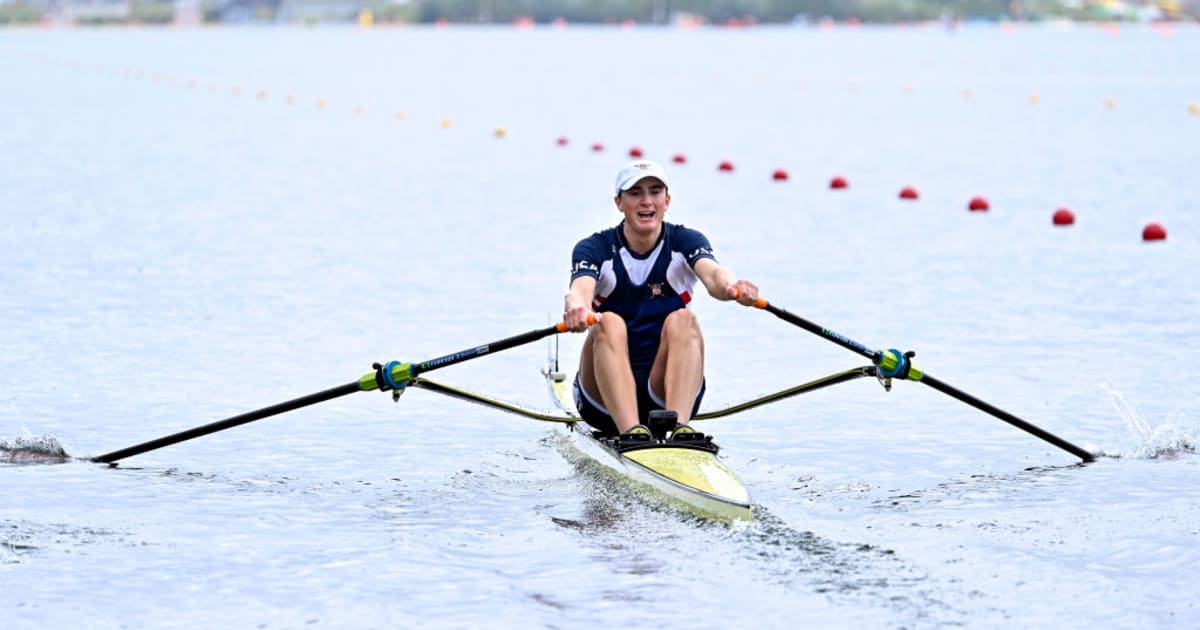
x=687 y=472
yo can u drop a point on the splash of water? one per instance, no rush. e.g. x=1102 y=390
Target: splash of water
x=31 y=449
x=1170 y=439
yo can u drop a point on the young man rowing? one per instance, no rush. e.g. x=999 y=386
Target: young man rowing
x=645 y=351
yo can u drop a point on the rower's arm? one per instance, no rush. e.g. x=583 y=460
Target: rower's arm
x=577 y=304
x=723 y=284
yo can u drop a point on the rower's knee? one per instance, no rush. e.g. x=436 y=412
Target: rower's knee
x=610 y=328
x=682 y=325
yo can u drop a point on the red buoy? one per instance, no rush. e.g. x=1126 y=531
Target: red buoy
x=597 y=147
x=725 y=166
x=635 y=152
x=1154 y=232
x=779 y=175
x=1064 y=216
x=838 y=182
x=562 y=141
x=679 y=158
x=908 y=192
x=978 y=204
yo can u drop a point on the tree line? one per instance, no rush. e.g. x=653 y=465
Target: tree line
x=639 y=11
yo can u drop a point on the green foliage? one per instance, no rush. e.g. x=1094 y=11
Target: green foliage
x=716 y=11
x=152 y=12
x=19 y=14
x=615 y=11
x=391 y=12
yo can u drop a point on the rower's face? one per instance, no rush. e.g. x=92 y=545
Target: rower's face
x=644 y=205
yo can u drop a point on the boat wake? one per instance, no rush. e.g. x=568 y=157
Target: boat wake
x=767 y=551
x=1168 y=440
x=33 y=450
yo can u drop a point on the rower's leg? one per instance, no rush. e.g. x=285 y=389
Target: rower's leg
x=679 y=366
x=604 y=370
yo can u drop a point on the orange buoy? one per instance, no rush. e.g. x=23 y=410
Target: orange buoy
x=908 y=192
x=1154 y=232
x=679 y=158
x=725 y=166
x=1064 y=216
x=635 y=152
x=597 y=147
x=978 y=204
x=562 y=141
x=838 y=182
x=779 y=175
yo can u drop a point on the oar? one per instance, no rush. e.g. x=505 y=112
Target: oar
x=893 y=363
x=393 y=376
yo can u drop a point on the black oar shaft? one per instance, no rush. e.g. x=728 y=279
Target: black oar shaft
x=249 y=416
x=368 y=382
x=487 y=348
x=824 y=333
x=877 y=355
x=954 y=392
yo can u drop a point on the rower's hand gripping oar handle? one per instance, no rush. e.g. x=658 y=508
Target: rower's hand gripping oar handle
x=893 y=363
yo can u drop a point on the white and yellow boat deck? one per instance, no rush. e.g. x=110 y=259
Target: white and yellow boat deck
x=691 y=476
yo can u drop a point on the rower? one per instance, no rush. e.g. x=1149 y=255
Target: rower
x=646 y=350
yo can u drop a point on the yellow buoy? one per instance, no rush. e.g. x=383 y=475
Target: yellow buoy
x=399 y=115
x=212 y=87
x=1034 y=98
x=366 y=19
x=359 y=109
x=191 y=84
x=446 y=123
x=1110 y=103
x=500 y=132
x=291 y=99
x=261 y=95
x=967 y=94
x=320 y=103
x=1194 y=109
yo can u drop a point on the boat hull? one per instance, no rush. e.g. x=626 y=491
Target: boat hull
x=691 y=476
x=693 y=480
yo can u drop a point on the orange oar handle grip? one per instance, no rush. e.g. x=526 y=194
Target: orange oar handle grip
x=562 y=326
x=759 y=303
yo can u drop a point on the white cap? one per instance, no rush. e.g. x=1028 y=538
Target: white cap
x=638 y=170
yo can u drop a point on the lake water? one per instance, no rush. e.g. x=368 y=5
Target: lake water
x=197 y=223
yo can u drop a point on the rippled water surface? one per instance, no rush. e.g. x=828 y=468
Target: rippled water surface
x=202 y=223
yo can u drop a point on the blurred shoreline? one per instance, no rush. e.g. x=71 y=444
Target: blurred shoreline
x=627 y=14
